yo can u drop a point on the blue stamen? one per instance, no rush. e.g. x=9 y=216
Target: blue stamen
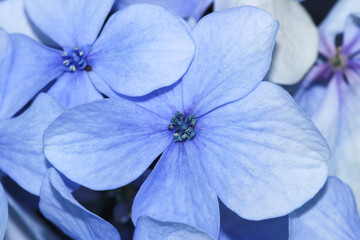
x=184 y=127
x=74 y=59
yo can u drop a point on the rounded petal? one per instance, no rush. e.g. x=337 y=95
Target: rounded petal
x=73 y=89
x=177 y=191
x=21 y=146
x=297 y=38
x=13 y=19
x=331 y=214
x=59 y=206
x=142 y=48
x=106 y=144
x=183 y=8
x=233 y=54
x=262 y=151
x=70 y=23
x=33 y=66
x=152 y=229
x=3 y=212
x=335 y=21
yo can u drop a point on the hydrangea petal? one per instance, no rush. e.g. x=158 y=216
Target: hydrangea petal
x=13 y=19
x=21 y=146
x=262 y=151
x=97 y=144
x=152 y=229
x=59 y=206
x=183 y=8
x=331 y=214
x=137 y=55
x=233 y=54
x=351 y=43
x=67 y=22
x=32 y=68
x=5 y=64
x=297 y=37
x=335 y=21
x=177 y=190
x=72 y=89
x=3 y=212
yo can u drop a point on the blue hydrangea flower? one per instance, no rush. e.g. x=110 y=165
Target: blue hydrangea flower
x=59 y=206
x=21 y=148
x=222 y=133
x=330 y=93
x=140 y=49
x=152 y=229
x=331 y=214
x=187 y=9
x=3 y=212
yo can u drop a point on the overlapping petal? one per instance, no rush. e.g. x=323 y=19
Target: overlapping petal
x=70 y=23
x=331 y=214
x=33 y=66
x=5 y=64
x=59 y=206
x=106 y=144
x=137 y=55
x=21 y=146
x=264 y=157
x=152 y=229
x=297 y=37
x=72 y=89
x=229 y=61
x=177 y=190
x=351 y=43
x=184 y=8
x=3 y=212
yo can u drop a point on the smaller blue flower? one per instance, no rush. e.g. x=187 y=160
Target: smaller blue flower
x=331 y=214
x=140 y=49
x=222 y=132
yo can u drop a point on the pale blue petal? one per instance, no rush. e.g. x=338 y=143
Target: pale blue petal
x=177 y=190
x=5 y=64
x=21 y=146
x=152 y=229
x=262 y=151
x=351 y=43
x=331 y=214
x=13 y=19
x=233 y=54
x=74 y=88
x=59 y=206
x=335 y=21
x=69 y=23
x=142 y=48
x=32 y=68
x=183 y=8
x=3 y=212
x=106 y=144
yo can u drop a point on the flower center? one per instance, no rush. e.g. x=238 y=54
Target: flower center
x=339 y=61
x=75 y=59
x=183 y=126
